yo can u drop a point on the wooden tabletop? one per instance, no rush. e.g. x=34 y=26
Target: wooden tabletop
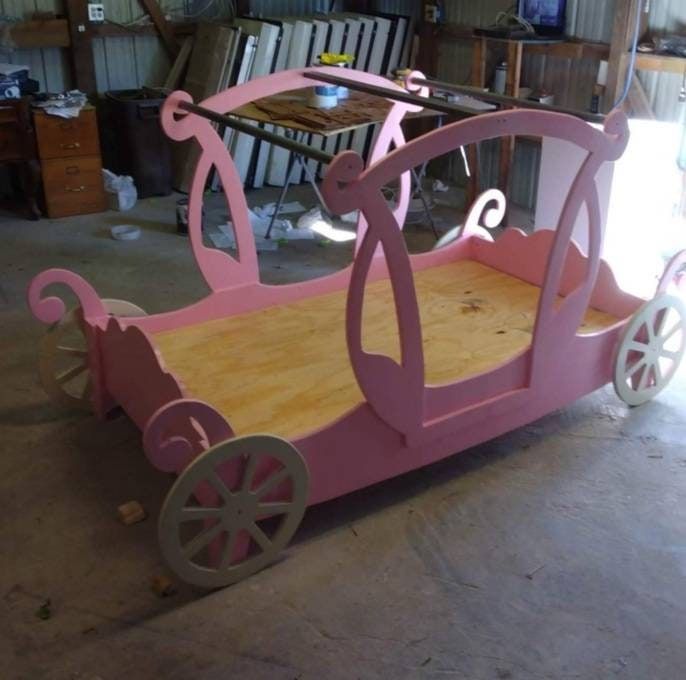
x=291 y=110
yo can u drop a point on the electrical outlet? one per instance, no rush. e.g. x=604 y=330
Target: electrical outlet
x=431 y=14
x=96 y=12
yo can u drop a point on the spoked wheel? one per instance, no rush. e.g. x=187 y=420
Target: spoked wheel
x=233 y=509
x=63 y=358
x=651 y=349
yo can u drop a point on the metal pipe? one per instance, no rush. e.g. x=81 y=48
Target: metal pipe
x=506 y=100
x=446 y=107
x=236 y=124
x=406 y=97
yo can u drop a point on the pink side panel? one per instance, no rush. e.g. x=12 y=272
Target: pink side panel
x=361 y=450
x=133 y=372
x=524 y=257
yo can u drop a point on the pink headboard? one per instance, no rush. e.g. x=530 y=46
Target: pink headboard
x=348 y=185
x=221 y=270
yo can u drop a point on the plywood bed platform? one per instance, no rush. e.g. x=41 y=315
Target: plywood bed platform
x=286 y=369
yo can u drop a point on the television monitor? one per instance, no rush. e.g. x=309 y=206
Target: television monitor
x=546 y=16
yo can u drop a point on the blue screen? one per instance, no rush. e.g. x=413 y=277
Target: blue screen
x=549 y=13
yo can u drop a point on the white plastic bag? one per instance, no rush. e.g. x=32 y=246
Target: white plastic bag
x=121 y=190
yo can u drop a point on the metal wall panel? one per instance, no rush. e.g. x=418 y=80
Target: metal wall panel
x=666 y=16
x=48 y=66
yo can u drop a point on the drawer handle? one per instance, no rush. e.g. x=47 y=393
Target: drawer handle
x=66 y=126
x=75 y=190
x=72 y=170
x=71 y=145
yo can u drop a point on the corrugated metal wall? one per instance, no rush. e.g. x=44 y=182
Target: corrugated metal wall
x=666 y=16
x=49 y=66
x=124 y=62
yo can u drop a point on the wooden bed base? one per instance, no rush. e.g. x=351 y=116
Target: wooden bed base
x=286 y=370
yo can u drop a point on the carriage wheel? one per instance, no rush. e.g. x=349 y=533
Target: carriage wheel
x=651 y=349
x=63 y=357
x=252 y=493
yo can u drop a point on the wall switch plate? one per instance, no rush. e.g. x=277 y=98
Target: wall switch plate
x=96 y=12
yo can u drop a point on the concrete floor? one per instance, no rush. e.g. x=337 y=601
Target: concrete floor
x=557 y=551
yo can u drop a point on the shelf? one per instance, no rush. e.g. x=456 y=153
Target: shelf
x=567 y=49
x=55 y=32
x=36 y=34
x=660 y=62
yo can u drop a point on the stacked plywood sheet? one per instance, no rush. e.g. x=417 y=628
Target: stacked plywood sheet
x=224 y=55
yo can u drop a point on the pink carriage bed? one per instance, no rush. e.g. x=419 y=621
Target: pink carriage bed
x=267 y=399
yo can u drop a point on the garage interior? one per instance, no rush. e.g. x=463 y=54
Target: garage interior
x=553 y=549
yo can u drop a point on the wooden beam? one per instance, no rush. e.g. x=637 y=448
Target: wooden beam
x=514 y=68
x=181 y=28
x=639 y=102
x=35 y=34
x=661 y=62
x=569 y=49
x=622 y=37
x=81 y=52
x=427 y=55
x=162 y=25
x=479 y=64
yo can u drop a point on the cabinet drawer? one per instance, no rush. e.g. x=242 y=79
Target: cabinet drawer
x=66 y=137
x=73 y=186
x=11 y=146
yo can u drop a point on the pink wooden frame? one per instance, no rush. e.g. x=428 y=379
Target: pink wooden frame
x=403 y=423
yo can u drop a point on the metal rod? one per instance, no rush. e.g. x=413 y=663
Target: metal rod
x=441 y=105
x=506 y=100
x=425 y=102
x=259 y=133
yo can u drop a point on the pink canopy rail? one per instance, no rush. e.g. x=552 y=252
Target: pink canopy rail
x=248 y=468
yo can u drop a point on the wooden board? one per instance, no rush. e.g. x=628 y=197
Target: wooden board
x=206 y=69
x=291 y=111
x=285 y=370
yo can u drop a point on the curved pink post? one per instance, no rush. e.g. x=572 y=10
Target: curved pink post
x=391 y=134
x=221 y=271
x=554 y=327
x=394 y=392
x=51 y=309
x=480 y=210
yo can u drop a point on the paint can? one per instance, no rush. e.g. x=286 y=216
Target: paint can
x=325 y=97
x=500 y=80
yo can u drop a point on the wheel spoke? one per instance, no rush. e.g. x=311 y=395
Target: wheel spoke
x=637 y=346
x=643 y=382
x=87 y=389
x=70 y=373
x=249 y=472
x=218 y=484
x=658 y=373
x=72 y=351
x=671 y=333
x=229 y=548
x=650 y=325
x=200 y=512
x=260 y=537
x=271 y=482
x=270 y=509
x=635 y=367
x=668 y=354
x=202 y=539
